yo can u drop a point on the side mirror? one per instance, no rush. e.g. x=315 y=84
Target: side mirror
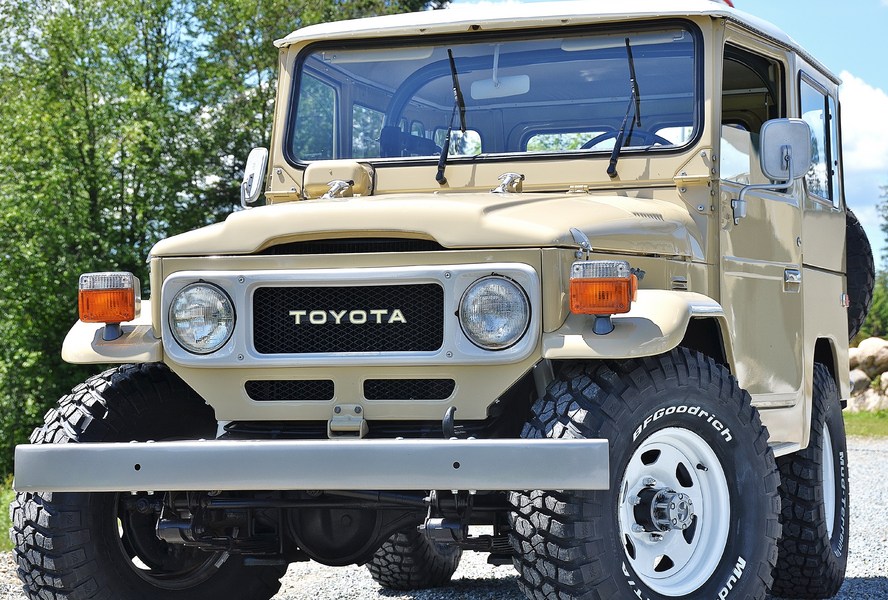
x=786 y=149
x=785 y=156
x=254 y=177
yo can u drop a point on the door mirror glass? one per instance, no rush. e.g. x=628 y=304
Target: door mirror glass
x=785 y=149
x=254 y=177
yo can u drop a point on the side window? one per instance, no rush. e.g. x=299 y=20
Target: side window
x=461 y=144
x=562 y=141
x=752 y=93
x=739 y=151
x=818 y=179
x=366 y=128
x=835 y=178
x=313 y=129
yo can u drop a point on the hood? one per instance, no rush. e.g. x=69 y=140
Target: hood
x=455 y=221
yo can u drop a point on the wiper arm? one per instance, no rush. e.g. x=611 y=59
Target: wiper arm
x=459 y=104
x=634 y=102
x=457 y=92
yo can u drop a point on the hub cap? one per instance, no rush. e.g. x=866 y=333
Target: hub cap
x=828 y=466
x=674 y=511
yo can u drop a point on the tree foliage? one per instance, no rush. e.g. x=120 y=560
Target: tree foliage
x=123 y=122
x=876 y=324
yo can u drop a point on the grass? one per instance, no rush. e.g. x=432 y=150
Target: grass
x=867 y=424
x=6 y=495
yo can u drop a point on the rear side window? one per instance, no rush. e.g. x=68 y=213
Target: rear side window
x=819 y=112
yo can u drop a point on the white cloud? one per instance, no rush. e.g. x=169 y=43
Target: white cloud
x=865 y=146
x=864 y=127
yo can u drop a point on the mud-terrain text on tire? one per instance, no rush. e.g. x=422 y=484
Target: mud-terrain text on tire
x=814 y=490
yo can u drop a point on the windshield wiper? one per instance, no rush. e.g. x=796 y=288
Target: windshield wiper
x=459 y=104
x=634 y=102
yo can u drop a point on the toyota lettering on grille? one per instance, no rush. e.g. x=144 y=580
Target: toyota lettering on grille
x=376 y=316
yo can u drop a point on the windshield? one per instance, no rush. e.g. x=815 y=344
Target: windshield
x=554 y=94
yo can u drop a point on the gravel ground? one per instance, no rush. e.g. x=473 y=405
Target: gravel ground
x=867 y=576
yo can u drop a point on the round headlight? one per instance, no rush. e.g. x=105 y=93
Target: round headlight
x=494 y=313
x=201 y=318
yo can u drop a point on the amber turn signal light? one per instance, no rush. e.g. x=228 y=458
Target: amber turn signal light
x=605 y=287
x=109 y=297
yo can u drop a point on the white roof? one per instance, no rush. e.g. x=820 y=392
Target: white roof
x=491 y=17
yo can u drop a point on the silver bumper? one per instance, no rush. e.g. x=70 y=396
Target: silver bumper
x=313 y=465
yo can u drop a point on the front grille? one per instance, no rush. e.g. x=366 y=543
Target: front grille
x=408 y=389
x=307 y=430
x=284 y=390
x=348 y=319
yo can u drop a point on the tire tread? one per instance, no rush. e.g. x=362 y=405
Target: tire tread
x=554 y=532
x=410 y=561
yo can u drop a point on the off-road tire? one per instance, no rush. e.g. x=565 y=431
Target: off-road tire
x=408 y=560
x=861 y=273
x=569 y=544
x=67 y=545
x=811 y=559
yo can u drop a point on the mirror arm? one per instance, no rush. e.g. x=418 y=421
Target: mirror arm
x=739 y=205
x=245 y=190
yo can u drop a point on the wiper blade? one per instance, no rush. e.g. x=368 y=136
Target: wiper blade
x=459 y=105
x=634 y=102
x=457 y=92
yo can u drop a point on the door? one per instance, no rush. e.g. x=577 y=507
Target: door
x=761 y=274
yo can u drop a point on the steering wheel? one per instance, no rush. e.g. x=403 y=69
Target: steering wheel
x=648 y=138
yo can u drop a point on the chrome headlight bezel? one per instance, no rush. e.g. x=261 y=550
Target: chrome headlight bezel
x=224 y=304
x=506 y=334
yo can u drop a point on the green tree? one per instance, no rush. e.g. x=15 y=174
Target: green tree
x=876 y=323
x=123 y=122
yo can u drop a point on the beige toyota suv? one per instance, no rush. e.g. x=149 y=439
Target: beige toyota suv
x=582 y=274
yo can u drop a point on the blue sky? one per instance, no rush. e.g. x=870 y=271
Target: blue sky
x=851 y=39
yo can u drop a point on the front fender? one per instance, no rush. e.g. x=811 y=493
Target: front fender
x=84 y=344
x=656 y=324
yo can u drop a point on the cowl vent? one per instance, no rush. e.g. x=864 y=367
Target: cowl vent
x=353 y=246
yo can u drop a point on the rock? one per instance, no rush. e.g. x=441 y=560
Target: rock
x=874 y=401
x=856 y=403
x=872 y=356
x=860 y=382
x=853 y=358
x=883 y=382
x=869 y=400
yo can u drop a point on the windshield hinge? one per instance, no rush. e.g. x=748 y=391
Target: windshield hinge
x=699 y=170
x=510 y=183
x=338 y=189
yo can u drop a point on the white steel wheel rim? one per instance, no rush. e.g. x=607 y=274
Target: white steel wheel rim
x=828 y=467
x=681 y=561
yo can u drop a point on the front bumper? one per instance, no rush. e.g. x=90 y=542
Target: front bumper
x=400 y=464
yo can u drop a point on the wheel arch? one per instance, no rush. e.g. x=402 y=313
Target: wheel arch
x=85 y=344
x=660 y=320
x=826 y=353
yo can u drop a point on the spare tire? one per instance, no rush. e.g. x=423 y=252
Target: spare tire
x=861 y=272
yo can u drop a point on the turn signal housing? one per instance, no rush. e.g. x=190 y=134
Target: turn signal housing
x=109 y=297
x=602 y=287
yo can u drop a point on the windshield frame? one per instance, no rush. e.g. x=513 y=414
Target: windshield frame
x=446 y=40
